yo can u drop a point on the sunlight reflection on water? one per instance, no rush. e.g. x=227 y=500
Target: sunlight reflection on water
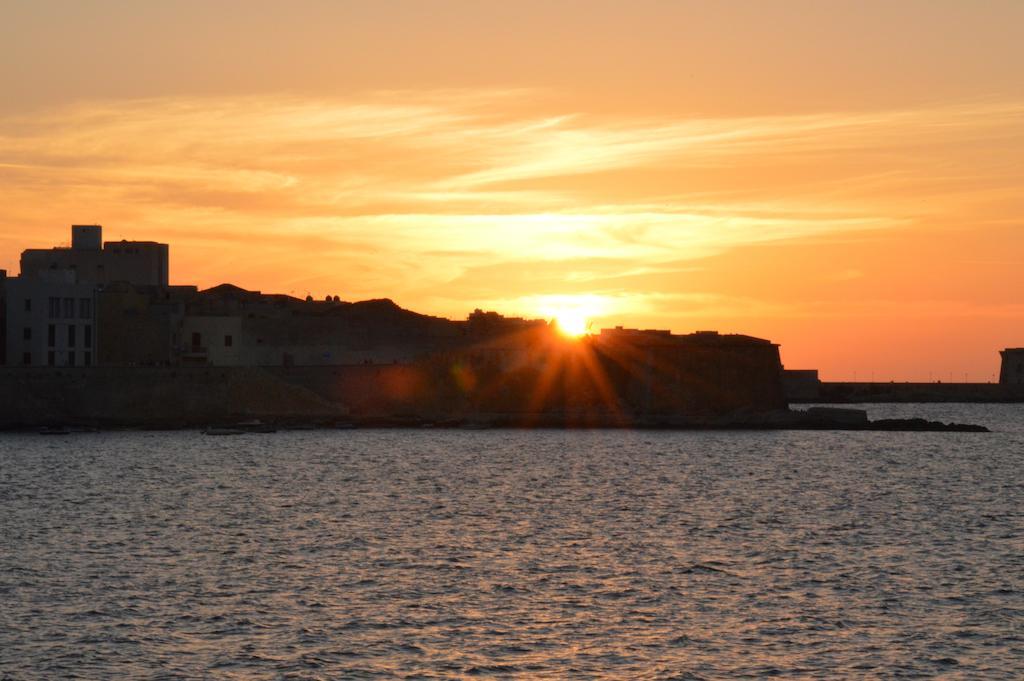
x=446 y=554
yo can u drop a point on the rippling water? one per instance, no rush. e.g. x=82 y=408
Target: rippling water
x=546 y=554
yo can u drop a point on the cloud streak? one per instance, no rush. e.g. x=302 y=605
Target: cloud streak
x=353 y=195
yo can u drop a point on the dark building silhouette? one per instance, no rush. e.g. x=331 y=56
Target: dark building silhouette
x=51 y=307
x=140 y=325
x=1011 y=372
x=3 y=317
x=144 y=263
x=802 y=385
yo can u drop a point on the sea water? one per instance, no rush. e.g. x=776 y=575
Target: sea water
x=516 y=554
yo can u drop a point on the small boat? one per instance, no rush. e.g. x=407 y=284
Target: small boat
x=255 y=426
x=263 y=428
x=225 y=431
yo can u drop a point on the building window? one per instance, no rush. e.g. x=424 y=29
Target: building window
x=26 y=333
x=28 y=305
x=85 y=308
x=71 y=358
x=26 y=358
x=228 y=341
x=51 y=335
x=54 y=307
x=69 y=308
x=88 y=359
x=51 y=358
x=197 y=340
x=87 y=336
x=71 y=336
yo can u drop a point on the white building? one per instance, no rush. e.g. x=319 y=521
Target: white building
x=51 y=321
x=51 y=316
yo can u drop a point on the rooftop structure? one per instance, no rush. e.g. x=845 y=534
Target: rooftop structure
x=86 y=237
x=143 y=263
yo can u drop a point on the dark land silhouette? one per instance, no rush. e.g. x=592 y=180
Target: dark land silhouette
x=96 y=336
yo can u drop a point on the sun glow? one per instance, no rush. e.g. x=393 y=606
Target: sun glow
x=573 y=315
x=572 y=323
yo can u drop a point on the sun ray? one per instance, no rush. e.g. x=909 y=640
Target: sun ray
x=599 y=378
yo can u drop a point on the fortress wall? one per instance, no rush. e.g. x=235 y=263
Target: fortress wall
x=369 y=389
x=152 y=397
x=698 y=383
x=693 y=385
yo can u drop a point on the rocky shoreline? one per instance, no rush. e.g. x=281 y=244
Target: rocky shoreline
x=176 y=399
x=811 y=419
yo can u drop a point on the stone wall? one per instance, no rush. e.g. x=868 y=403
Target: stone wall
x=570 y=384
x=153 y=397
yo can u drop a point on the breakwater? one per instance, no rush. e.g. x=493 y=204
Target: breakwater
x=860 y=393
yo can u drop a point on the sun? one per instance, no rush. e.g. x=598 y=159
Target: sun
x=573 y=315
x=572 y=323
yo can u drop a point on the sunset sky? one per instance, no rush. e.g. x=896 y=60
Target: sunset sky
x=844 y=178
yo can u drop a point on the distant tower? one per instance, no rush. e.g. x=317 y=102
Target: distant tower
x=86 y=237
x=1012 y=372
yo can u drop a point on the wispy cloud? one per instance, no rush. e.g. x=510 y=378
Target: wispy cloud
x=353 y=196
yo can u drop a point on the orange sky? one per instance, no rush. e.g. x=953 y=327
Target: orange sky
x=843 y=178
